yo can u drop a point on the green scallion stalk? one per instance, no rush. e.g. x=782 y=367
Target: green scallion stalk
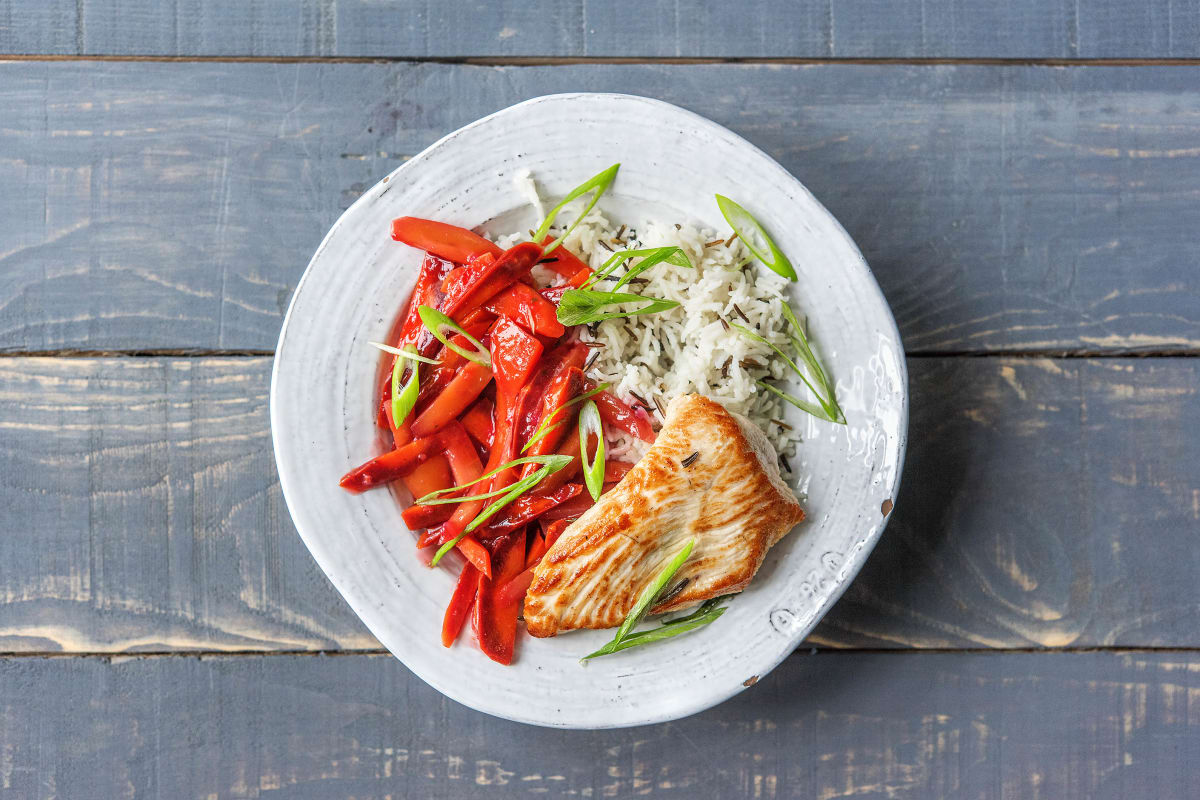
x=583 y=306
x=409 y=354
x=439 y=497
x=650 y=257
x=404 y=397
x=589 y=425
x=543 y=430
x=755 y=238
x=438 y=323
x=669 y=629
x=599 y=182
x=645 y=601
x=552 y=464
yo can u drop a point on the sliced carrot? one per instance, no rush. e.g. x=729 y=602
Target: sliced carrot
x=460 y=604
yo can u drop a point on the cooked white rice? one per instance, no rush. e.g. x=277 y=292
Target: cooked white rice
x=687 y=349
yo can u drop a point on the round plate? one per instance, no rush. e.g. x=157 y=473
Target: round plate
x=672 y=161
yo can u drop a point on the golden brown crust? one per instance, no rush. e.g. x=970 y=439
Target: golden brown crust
x=729 y=499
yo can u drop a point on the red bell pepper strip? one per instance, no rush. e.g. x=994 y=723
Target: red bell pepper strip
x=565 y=263
x=387 y=467
x=614 y=471
x=443 y=240
x=512 y=594
x=617 y=414
x=571 y=509
x=423 y=517
x=479 y=422
x=460 y=604
x=486 y=280
x=462 y=390
x=476 y=555
x=526 y=306
x=537 y=549
x=496 y=625
x=515 y=353
x=434 y=474
x=527 y=508
x=568 y=354
x=464 y=463
x=569 y=447
x=565 y=384
x=409 y=328
x=552 y=530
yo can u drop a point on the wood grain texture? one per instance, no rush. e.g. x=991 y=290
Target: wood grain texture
x=656 y=28
x=1046 y=503
x=1064 y=726
x=1001 y=208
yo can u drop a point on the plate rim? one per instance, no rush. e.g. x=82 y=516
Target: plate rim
x=855 y=560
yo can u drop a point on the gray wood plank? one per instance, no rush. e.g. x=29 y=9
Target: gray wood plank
x=927 y=726
x=1001 y=208
x=1046 y=503
x=659 y=28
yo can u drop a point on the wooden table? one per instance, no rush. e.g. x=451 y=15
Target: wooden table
x=1023 y=177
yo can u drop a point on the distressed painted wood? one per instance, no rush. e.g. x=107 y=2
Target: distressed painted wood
x=659 y=28
x=1069 y=726
x=175 y=205
x=1045 y=503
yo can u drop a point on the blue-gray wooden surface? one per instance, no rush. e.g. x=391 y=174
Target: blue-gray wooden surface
x=1024 y=178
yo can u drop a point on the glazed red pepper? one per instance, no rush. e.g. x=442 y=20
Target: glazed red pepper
x=527 y=508
x=565 y=384
x=617 y=414
x=569 y=447
x=496 y=625
x=523 y=304
x=552 y=530
x=434 y=379
x=409 y=330
x=434 y=474
x=512 y=594
x=614 y=471
x=461 y=392
x=423 y=517
x=537 y=548
x=479 y=422
x=571 y=509
x=387 y=467
x=554 y=362
x=485 y=280
x=445 y=241
x=464 y=462
x=515 y=353
x=565 y=263
x=460 y=604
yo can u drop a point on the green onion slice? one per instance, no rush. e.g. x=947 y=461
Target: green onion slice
x=645 y=601
x=820 y=385
x=439 y=497
x=599 y=182
x=589 y=424
x=543 y=430
x=410 y=354
x=583 y=306
x=404 y=397
x=551 y=464
x=650 y=257
x=438 y=323
x=672 y=628
x=756 y=239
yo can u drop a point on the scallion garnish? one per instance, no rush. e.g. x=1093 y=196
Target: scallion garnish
x=543 y=430
x=590 y=425
x=697 y=619
x=550 y=465
x=404 y=397
x=583 y=306
x=599 y=182
x=410 y=354
x=650 y=257
x=439 y=497
x=644 y=603
x=756 y=239
x=438 y=323
x=826 y=397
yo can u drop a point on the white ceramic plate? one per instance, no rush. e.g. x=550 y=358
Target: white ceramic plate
x=672 y=161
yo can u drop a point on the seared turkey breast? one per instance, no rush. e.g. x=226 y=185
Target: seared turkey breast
x=711 y=476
